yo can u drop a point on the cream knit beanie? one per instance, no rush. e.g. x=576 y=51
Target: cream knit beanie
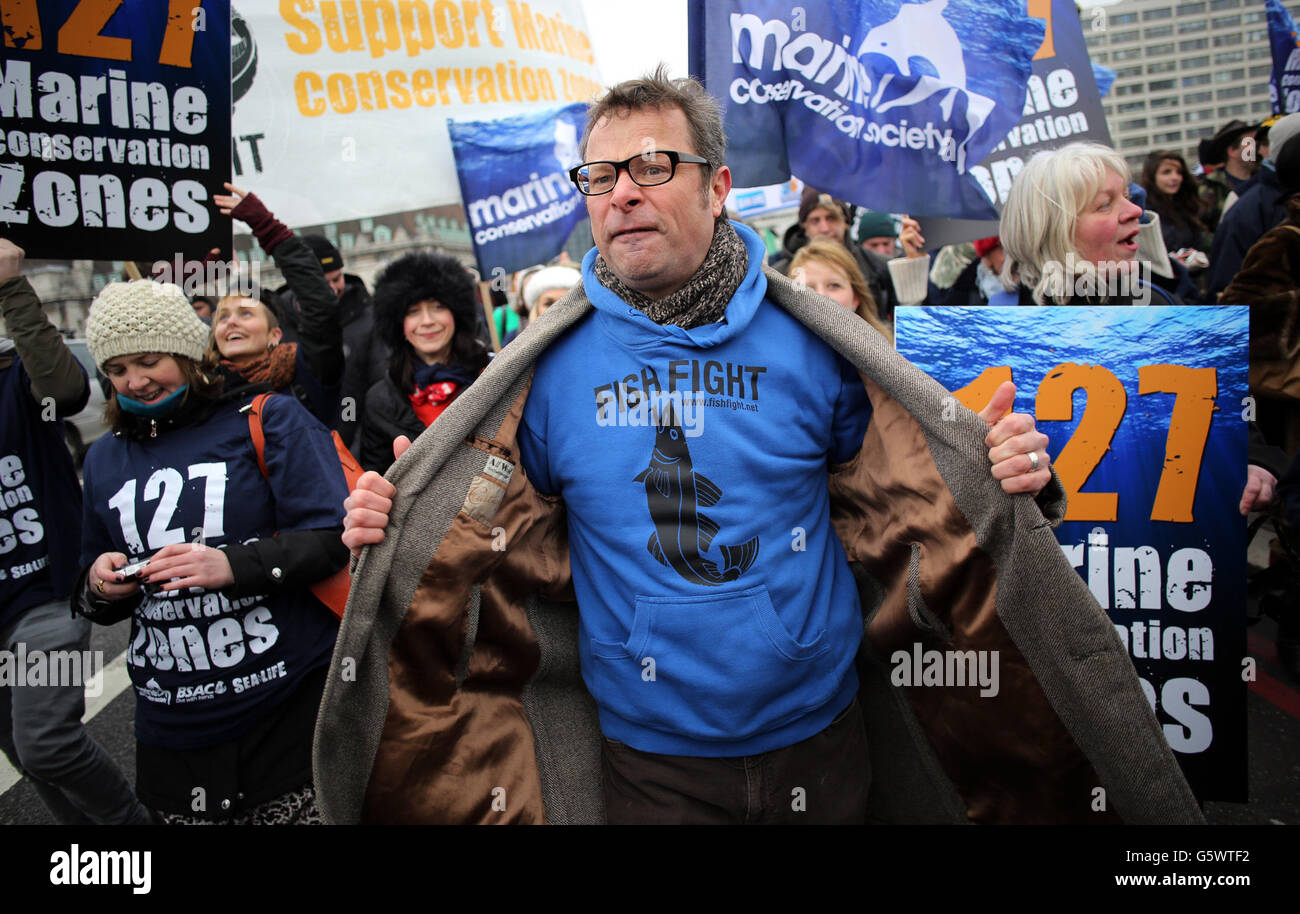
x=144 y=316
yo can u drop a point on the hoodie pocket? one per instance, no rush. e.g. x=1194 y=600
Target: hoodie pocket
x=714 y=667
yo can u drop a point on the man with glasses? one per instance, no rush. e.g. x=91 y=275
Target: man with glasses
x=719 y=620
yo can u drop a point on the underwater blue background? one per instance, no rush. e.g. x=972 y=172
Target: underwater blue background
x=954 y=345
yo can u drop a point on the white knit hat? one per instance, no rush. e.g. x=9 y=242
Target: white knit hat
x=1281 y=132
x=557 y=277
x=144 y=316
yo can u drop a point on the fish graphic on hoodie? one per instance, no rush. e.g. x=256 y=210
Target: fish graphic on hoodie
x=675 y=493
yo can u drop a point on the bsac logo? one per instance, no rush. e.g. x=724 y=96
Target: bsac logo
x=201 y=692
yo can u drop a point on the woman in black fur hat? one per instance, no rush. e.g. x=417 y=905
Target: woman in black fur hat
x=424 y=311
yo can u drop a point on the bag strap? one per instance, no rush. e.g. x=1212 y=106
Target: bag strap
x=256 y=432
x=1169 y=299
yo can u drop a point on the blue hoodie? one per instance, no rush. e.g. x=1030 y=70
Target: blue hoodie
x=718 y=613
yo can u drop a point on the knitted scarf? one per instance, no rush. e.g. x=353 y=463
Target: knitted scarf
x=275 y=367
x=703 y=300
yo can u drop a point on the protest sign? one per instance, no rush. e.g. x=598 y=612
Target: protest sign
x=342 y=107
x=1062 y=105
x=882 y=103
x=1283 y=41
x=116 y=128
x=1144 y=408
x=515 y=183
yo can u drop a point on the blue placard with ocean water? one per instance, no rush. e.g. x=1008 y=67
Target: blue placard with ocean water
x=515 y=185
x=1148 y=422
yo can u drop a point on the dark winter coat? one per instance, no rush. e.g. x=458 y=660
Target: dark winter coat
x=42 y=525
x=1259 y=209
x=388 y=414
x=364 y=354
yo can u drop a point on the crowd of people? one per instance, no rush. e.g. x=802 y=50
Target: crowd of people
x=208 y=513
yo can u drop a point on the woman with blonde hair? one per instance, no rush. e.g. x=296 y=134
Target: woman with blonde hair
x=829 y=269
x=1070 y=232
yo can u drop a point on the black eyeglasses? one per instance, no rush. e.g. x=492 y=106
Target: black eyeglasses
x=647 y=169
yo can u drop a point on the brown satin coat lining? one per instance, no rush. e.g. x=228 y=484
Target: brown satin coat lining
x=466 y=754
x=1009 y=756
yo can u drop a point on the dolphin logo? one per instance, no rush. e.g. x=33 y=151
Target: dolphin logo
x=919 y=30
x=674 y=493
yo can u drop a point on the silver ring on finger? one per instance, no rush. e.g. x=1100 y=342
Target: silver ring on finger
x=1033 y=461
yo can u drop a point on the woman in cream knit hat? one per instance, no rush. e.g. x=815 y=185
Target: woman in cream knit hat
x=228 y=646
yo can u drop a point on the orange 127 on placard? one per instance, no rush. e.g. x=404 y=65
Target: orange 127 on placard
x=1189 y=429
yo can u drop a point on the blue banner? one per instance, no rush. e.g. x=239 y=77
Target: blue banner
x=1284 y=83
x=116 y=128
x=1062 y=105
x=514 y=181
x=1144 y=409
x=884 y=103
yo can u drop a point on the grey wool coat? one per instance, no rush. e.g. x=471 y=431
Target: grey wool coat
x=455 y=695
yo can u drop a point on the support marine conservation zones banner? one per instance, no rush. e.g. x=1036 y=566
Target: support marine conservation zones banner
x=514 y=179
x=1144 y=408
x=885 y=103
x=343 y=106
x=116 y=127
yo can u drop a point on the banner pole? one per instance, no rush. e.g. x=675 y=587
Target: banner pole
x=485 y=292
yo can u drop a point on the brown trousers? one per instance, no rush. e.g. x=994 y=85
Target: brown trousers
x=823 y=780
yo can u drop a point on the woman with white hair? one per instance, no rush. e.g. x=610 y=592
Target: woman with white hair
x=542 y=288
x=1070 y=232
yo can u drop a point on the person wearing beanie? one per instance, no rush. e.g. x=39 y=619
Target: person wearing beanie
x=877 y=232
x=425 y=314
x=364 y=356
x=248 y=333
x=822 y=216
x=41 y=732
x=331 y=261
x=543 y=288
x=228 y=646
x=1259 y=209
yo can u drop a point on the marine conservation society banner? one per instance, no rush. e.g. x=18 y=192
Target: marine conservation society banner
x=1144 y=408
x=1062 y=105
x=886 y=103
x=514 y=181
x=343 y=106
x=1284 y=83
x=116 y=128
